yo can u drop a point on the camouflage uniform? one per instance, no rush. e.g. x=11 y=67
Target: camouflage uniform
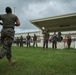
x=7 y=34
x=59 y=36
x=21 y=41
x=54 y=41
x=28 y=37
x=45 y=39
x=69 y=40
x=34 y=40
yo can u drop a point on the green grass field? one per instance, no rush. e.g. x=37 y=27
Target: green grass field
x=36 y=61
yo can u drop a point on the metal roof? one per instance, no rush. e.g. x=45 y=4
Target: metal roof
x=57 y=23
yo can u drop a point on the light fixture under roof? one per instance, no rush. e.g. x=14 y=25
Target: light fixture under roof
x=43 y=28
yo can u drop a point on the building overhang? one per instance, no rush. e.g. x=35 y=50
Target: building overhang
x=57 y=23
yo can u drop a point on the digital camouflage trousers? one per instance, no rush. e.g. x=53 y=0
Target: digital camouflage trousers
x=7 y=36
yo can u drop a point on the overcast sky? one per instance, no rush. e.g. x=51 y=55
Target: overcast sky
x=27 y=10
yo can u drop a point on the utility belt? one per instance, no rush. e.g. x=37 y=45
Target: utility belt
x=8 y=27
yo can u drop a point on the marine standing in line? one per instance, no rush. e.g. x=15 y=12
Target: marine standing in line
x=45 y=39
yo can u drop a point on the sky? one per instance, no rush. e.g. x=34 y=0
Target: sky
x=27 y=10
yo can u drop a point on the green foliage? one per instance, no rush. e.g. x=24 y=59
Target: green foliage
x=36 y=61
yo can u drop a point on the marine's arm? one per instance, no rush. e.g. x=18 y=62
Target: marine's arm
x=17 y=23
